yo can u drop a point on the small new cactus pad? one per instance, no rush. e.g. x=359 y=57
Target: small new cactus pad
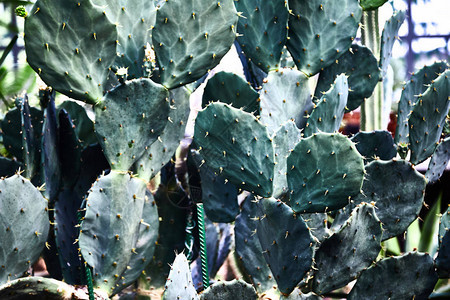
x=342 y=257
x=31 y=140
x=237 y=146
x=262 y=30
x=324 y=171
x=191 y=37
x=248 y=248
x=443 y=258
x=129 y=118
x=41 y=288
x=286 y=241
x=375 y=144
x=328 y=112
x=159 y=153
x=439 y=161
x=71 y=44
x=410 y=276
x=317 y=223
x=298 y=295
x=110 y=229
x=12 y=130
x=219 y=197
x=284 y=140
x=411 y=93
x=232 y=89
x=84 y=127
x=361 y=67
x=371 y=4
x=179 y=284
x=398 y=197
x=229 y=290
x=428 y=117
x=329 y=33
x=388 y=38
x=24 y=226
x=145 y=244
x=134 y=21
x=284 y=94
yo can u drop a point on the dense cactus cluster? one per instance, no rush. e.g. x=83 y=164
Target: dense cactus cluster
x=311 y=207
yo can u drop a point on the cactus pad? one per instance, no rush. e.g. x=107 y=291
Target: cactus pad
x=110 y=231
x=24 y=226
x=284 y=94
x=237 y=146
x=361 y=67
x=179 y=283
x=376 y=144
x=324 y=172
x=262 y=31
x=129 y=118
x=388 y=38
x=71 y=44
x=410 y=276
x=320 y=31
x=187 y=43
x=232 y=89
x=235 y=289
x=428 y=117
x=371 y=4
x=286 y=241
x=414 y=87
x=439 y=161
x=328 y=113
x=443 y=258
x=358 y=241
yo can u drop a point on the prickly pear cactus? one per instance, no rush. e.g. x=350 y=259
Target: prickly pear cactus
x=443 y=259
x=324 y=171
x=332 y=27
x=439 y=161
x=229 y=290
x=179 y=283
x=237 y=146
x=377 y=144
x=187 y=43
x=71 y=44
x=25 y=226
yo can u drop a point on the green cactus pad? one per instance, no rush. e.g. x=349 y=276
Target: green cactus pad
x=229 y=290
x=190 y=38
x=398 y=197
x=24 y=226
x=324 y=172
x=428 y=117
x=320 y=31
x=443 y=258
x=232 y=89
x=163 y=148
x=328 y=113
x=71 y=44
x=317 y=223
x=248 y=248
x=41 y=288
x=129 y=118
x=110 y=231
x=375 y=144
x=284 y=140
x=388 y=38
x=284 y=94
x=361 y=67
x=415 y=87
x=439 y=161
x=371 y=4
x=287 y=243
x=237 y=146
x=219 y=198
x=262 y=30
x=410 y=276
x=84 y=127
x=134 y=21
x=342 y=257
x=298 y=295
x=179 y=283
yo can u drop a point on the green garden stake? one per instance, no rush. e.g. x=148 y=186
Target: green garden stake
x=203 y=254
